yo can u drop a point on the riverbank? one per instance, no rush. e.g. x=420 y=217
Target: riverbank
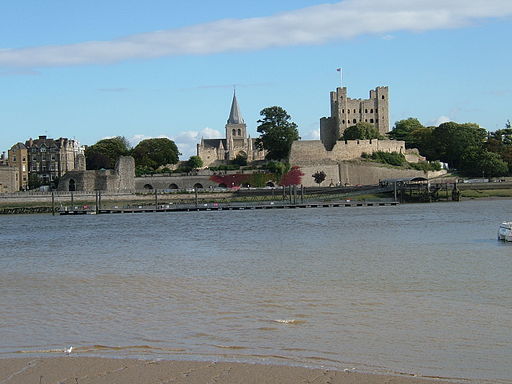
x=88 y=370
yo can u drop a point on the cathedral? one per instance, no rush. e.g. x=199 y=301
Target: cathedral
x=215 y=152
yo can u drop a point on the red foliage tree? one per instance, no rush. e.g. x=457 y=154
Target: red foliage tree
x=229 y=180
x=292 y=177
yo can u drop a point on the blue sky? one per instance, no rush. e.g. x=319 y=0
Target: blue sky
x=95 y=69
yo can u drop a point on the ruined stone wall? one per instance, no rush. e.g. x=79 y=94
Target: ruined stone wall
x=9 y=179
x=125 y=172
x=311 y=152
x=355 y=173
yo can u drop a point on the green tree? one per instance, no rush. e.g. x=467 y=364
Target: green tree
x=361 y=131
x=403 y=130
x=105 y=153
x=154 y=153
x=240 y=159
x=34 y=181
x=277 y=133
x=451 y=140
x=421 y=138
x=319 y=177
x=476 y=161
x=195 y=162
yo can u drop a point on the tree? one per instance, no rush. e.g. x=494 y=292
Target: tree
x=292 y=177
x=195 y=162
x=361 y=131
x=476 y=161
x=277 y=133
x=105 y=153
x=240 y=159
x=451 y=140
x=154 y=153
x=34 y=181
x=421 y=138
x=403 y=130
x=319 y=177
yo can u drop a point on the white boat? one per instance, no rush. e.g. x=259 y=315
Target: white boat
x=505 y=231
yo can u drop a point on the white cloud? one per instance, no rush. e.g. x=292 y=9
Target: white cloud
x=312 y=25
x=441 y=120
x=312 y=135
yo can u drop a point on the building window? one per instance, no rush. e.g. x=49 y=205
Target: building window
x=355 y=121
x=371 y=120
x=365 y=120
x=343 y=121
x=239 y=132
x=348 y=111
x=382 y=97
x=371 y=110
x=343 y=110
x=365 y=111
x=234 y=132
x=354 y=111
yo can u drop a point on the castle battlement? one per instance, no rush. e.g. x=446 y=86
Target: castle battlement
x=346 y=112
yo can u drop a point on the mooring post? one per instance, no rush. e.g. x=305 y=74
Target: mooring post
x=99 y=199
x=195 y=192
x=96 y=206
x=156 y=199
x=72 y=201
x=394 y=190
x=53 y=203
x=284 y=193
x=290 y=192
x=302 y=193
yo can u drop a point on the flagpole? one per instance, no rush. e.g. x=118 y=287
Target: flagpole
x=340 y=70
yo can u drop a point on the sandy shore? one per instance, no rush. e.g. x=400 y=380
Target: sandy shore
x=84 y=370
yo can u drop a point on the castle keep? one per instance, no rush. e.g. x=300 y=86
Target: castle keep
x=346 y=112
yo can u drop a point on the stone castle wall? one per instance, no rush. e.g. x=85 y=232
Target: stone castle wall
x=357 y=173
x=311 y=152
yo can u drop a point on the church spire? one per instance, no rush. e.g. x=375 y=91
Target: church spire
x=235 y=117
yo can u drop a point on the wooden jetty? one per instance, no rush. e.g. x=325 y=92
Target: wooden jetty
x=224 y=207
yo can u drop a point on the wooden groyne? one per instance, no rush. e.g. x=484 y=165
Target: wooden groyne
x=231 y=207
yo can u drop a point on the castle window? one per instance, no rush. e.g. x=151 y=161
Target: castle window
x=343 y=110
x=365 y=111
x=348 y=111
x=239 y=132
x=354 y=111
x=234 y=132
x=343 y=121
x=354 y=121
x=365 y=120
x=371 y=120
x=382 y=97
x=371 y=110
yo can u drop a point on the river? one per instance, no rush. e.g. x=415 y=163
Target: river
x=417 y=289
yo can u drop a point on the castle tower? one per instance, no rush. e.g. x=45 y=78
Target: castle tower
x=236 y=127
x=346 y=112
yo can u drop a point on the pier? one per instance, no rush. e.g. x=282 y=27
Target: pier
x=223 y=207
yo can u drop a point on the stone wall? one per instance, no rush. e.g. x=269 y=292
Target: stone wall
x=8 y=179
x=311 y=152
x=358 y=173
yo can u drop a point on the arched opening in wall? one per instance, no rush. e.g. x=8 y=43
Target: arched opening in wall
x=173 y=186
x=222 y=185
x=354 y=111
x=343 y=121
x=365 y=120
x=239 y=132
x=234 y=132
x=354 y=121
x=382 y=97
x=270 y=184
x=365 y=111
x=72 y=185
x=371 y=120
x=148 y=186
x=198 y=186
x=371 y=110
